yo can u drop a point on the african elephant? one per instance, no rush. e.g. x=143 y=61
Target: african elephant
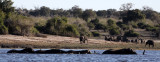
x=150 y=42
x=83 y=39
x=119 y=38
x=26 y=50
x=120 y=51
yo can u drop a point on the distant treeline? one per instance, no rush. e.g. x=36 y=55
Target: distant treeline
x=123 y=22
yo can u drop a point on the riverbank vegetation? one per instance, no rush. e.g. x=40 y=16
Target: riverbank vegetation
x=75 y=21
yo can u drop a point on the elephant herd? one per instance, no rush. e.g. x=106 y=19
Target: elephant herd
x=51 y=51
x=125 y=39
x=59 y=51
x=83 y=39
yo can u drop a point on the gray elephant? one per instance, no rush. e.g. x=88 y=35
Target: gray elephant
x=150 y=42
x=83 y=39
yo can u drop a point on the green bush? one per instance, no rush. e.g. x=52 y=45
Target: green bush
x=95 y=34
x=3 y=28
x=141 y=25
x=111 y=22
x=91 y=26
x=20 y=25
x=114 y=31
x=152 y=29
x=71 y=30
x=59 y=26
x=131 y=33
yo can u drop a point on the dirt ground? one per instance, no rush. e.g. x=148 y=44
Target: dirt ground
x=50 y=38
x=52 y=41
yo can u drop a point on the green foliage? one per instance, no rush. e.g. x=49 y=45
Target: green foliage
x=131 y=33
x=6 y=6
x=91 y=26
x=111 y=22
x=84 y=30
x=59 y=26
x=101 y=13
x=95 y=34
x=95 y=21
x=133 y=15
x=76 y=11
x=151 y=28
x=142 y=25
x=89 y=13
x=114 y=31
x=20 y=25
x=113 y=28
x=45 y=11
x=71 y=30
x=3 y=28
x=100 y=26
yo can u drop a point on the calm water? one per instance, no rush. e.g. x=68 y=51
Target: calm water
x=150 y=56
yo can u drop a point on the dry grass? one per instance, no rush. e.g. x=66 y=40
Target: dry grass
x=12 y=41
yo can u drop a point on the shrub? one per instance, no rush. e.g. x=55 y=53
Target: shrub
x=111 y=22
x=71 y=30
x=131 y=33
x=141 y=25
x=95 y=21
x=114 y=31
x=3 y=28
x=152 y=29
x=20 y=25
x=59 y=26
x=91 y=26
x=95 y=34
x=100 y=26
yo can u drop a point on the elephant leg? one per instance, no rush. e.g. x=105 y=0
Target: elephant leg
x=152 y=45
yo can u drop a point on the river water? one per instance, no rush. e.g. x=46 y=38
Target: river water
x=150 y=56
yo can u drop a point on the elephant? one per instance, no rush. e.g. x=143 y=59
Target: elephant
x=78 y=52
x=26 y=50
x=120 y=51
x=119 y=38
x=150 y=42
x=107 y=38
x=51 y=51
x=83 y=39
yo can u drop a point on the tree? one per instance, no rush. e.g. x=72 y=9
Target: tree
x=88 y=13
x=95 y=21
x=102 y=13
x=133 y=15
x=111 y=22
x=76 y=11
x=126 y=7
x=111 y=12
x=6 y=6
x=3 y=28
x=45 y=11
x=59 y=26
x=91 y=25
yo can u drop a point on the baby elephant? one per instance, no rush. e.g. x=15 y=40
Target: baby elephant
x=150 y=42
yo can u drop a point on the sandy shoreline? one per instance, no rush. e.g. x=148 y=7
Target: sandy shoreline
x=61 y=42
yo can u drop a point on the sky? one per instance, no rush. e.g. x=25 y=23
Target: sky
x=86 y=4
